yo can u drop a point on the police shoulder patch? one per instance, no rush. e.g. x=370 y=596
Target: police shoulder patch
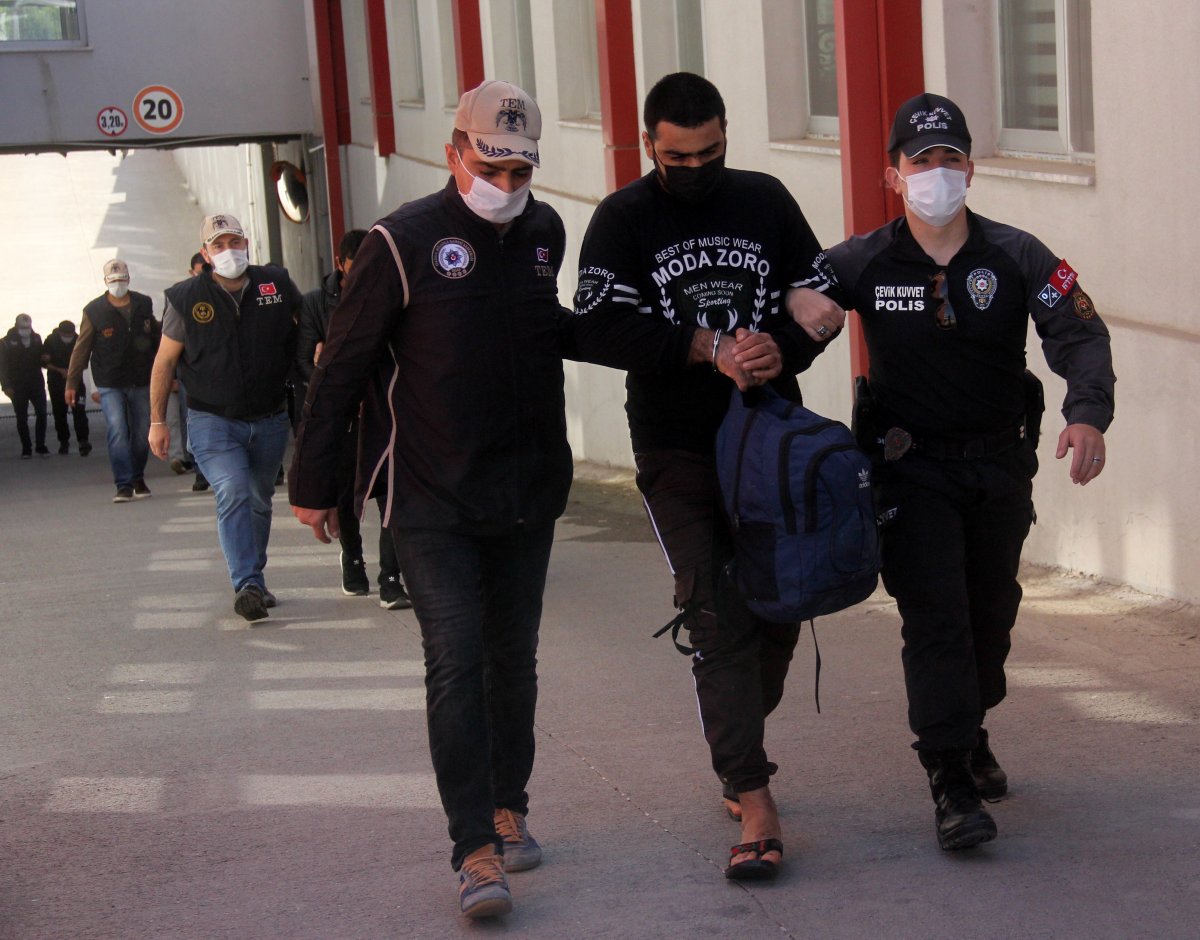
x=1084 y=308
x=202 y=313
x=453 y=258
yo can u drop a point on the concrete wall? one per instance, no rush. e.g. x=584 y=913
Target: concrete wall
x=233 y=179
x=238 y=69
x=1122 y=222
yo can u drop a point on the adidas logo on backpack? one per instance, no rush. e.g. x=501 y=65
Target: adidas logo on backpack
x=797 y=492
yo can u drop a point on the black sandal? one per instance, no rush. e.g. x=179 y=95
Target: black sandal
x=754 y=869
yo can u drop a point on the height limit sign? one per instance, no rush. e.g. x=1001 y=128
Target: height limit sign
x=158 y=109
x=112 y=121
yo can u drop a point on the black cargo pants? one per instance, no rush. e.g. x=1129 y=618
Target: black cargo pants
x=740 y=661
x=950 y=559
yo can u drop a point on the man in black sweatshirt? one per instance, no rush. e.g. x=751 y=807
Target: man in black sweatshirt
x=682 y=275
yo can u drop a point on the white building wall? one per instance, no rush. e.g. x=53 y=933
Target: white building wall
x=231 y=179
x=1123 y=223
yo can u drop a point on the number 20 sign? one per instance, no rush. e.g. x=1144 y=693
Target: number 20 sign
x=158 y=109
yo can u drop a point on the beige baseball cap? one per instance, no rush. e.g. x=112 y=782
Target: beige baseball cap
x=115 y=270
x=502 y=121
x=215 y=225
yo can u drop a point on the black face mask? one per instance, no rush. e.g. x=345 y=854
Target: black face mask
x=693 y=184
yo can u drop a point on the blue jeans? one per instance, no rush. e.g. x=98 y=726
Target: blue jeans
x=127 y=428
x=479 y=602
x=240 y=460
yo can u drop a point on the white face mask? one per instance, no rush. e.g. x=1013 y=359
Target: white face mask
x=492 y=203
x=937 y=195
x=118 y=289
x=231 y=263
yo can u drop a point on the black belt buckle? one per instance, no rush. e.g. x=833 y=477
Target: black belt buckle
x=896 y=443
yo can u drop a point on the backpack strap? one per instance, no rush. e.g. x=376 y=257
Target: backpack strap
x=817 y=677
x=676 y=625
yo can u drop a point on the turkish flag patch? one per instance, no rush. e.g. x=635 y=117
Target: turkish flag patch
x=268 y=290
x=1064 y=277
x=543 y=255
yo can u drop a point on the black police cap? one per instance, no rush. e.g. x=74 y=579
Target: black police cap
x=929 y=121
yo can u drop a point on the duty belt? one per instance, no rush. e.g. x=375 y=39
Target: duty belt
x=897 y=442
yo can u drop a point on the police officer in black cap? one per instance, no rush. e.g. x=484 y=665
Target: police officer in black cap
x=951 y=419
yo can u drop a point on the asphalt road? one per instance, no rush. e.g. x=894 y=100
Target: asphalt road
x=168 y=771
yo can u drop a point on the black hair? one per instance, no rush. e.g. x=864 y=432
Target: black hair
x=348 y=246
x=197 y=258
x=684 y=99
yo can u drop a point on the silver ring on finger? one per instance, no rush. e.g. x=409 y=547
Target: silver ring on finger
x=822 y=330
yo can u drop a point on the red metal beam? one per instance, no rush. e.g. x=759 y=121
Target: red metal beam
x=341 y=84
x=901 y=69
x=468 y=43
x=618 y=93
x=381 y=76
x=331 y=77
x=880 y=63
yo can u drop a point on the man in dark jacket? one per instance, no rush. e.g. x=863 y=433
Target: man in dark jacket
x=317 y=307
x=463 y=429
x=21 y=380
x=945 y=297
x=56 y=357
x=231 y=333
x=119 y=336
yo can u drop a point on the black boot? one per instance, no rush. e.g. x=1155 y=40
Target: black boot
x=960 y=818
x=990 y=780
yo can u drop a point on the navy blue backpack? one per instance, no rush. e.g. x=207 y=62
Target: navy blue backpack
x=797 y=492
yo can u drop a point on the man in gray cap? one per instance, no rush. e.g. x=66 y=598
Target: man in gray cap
x=463 y=437
x=231 y=332
x=119 y=336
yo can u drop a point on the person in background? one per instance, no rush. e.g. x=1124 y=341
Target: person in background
x=181 y=460
x=231 y=334
x=119 y=336
x=21 y=380
x=318 y=306
x=951 y=422
x=56 y=357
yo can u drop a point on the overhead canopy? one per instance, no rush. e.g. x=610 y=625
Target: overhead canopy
x=80 y=75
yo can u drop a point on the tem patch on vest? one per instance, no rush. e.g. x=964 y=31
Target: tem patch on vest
x=981 y=285
x=453 y=258
x=203 y=313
